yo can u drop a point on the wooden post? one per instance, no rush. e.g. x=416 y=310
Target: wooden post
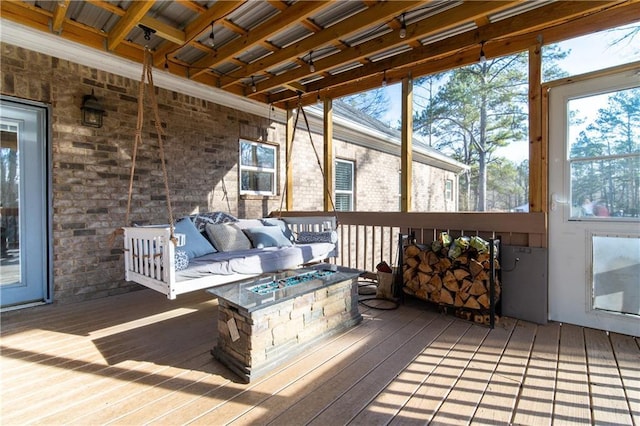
x=289 y=164
x=406 y=143
x=328 y=155
x=538 y=173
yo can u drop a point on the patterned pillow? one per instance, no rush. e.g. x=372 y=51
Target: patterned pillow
x=201 y=219
x=181 y=260
x=305 y=237
x=196 y=245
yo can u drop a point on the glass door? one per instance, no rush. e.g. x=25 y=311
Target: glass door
x=24 y=248
x=594 y=212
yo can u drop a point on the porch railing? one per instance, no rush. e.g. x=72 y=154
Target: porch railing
x=368 y=238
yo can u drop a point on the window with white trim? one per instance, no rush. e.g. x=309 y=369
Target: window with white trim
x=344 y=185
x=448 y=189
x=258 y=168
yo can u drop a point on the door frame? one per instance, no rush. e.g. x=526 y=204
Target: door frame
x=48 y=195
x=560 y=219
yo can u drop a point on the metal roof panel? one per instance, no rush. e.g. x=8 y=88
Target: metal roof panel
x=339 y=11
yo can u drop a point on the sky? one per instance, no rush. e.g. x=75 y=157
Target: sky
x=587 y=53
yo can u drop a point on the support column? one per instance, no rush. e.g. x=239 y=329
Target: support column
x=328 y=155
x=406 y=143
x=538 y=140
x=289 y=162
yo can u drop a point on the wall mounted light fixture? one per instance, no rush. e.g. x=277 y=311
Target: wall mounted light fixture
x=92 y=111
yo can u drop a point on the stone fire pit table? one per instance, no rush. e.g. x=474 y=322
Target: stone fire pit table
x=264 y=321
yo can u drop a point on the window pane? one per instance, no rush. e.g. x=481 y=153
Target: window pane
x=257 y=181
x=616 y=267
x=258 y=164
x=605 y=125
x=344 y=176
x=606 y=188
x=343 y=202
x=257 y=155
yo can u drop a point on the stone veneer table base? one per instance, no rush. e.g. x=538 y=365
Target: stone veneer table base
x=258 y=337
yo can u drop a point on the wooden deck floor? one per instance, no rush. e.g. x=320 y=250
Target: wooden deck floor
x=139 y=358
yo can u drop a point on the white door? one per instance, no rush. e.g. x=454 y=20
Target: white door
x=594 y=223
x=24 y=233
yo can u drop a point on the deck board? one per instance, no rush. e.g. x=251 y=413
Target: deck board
x=362 y=392
x=304 y=374
x=389 y=400
x=463 y=400
x=610 y=405
x=342 y=379
x=535 y=402
x=501 y=395
x=432 y=392
x=628 y=358
x=321 y=365
x=572 y=405
x=139 y=358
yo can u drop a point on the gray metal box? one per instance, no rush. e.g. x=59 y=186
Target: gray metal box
x=524 y=283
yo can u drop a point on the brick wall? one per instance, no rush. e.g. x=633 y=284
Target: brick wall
x=91 y=166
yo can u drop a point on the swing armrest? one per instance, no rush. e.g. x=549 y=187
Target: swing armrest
x=149 y=257
x=313 y=224
x=310 y=223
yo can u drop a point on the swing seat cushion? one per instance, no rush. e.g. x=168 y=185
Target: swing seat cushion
x=254 y=261
x=196 y=245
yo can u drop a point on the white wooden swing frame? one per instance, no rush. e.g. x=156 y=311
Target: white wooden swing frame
x=149 y=252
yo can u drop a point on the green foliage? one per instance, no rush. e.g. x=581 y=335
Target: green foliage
x=605 y=157
x=471 y=112
x=476 y=110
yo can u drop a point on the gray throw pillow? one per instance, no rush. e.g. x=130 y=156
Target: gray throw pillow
x=227 y=237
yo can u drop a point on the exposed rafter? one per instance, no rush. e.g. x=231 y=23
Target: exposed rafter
x=289 y=17
x=130 y=19
x=58 y=15
x=353 y=45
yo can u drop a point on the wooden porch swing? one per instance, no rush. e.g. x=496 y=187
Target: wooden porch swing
x=150 y=251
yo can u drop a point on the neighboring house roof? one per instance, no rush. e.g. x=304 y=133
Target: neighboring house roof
x=354 y=126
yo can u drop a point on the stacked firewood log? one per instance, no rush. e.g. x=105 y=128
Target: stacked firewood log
x=452 y=274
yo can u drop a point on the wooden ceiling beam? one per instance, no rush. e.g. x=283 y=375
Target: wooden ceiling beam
x=219 y=10
x=232 y=27
x=192 y=5
x=59 y=12
x=376 y=14
x=552 y=14
x=109 y=7
x=617 y=15
x=278 y=4
x=450 y=18
x=282 y=21
x=163 y=30
x=125 y=24
x=311 y=26
x=26 y=14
